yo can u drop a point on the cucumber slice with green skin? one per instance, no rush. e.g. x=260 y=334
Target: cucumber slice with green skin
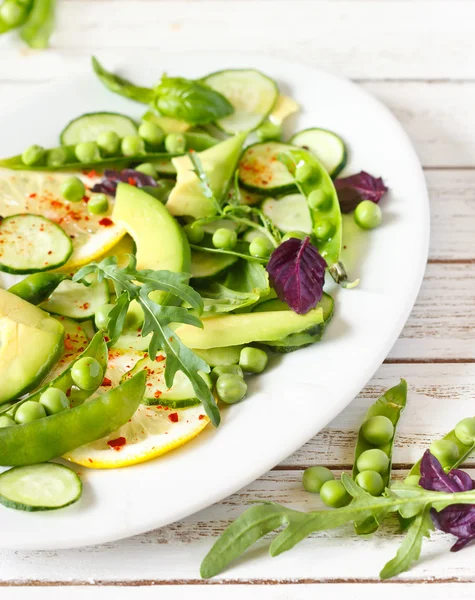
x=87 y=127
x=76 y=301
x=31 y=243
x=289 y=213
x=251 y=93
x=301 y=339
x=44 y=486
x=329 y=148
x=260 y=170
x=206 y=264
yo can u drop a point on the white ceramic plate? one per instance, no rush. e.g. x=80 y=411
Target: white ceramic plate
x=303 y=391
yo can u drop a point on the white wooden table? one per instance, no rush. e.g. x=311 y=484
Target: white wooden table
x=418 y=57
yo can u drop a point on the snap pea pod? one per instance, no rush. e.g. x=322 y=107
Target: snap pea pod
x=390 y=405
x=51 y=437
x=38 y=287
x=97 y=348
x=40 y=24
x=71 y=163
x=122 y=86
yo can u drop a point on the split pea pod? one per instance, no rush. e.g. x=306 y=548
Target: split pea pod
x=37 y=287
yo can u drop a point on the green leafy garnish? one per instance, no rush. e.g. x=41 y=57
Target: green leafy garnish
x=146 y=286
x=261 y=519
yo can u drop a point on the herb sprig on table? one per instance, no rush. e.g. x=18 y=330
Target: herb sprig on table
x=438 y=496
x=139 y=285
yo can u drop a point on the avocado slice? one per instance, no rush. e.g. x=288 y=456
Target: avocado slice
x=219 y=163
x=161 y=243
x=30 y=343
x=232 y=330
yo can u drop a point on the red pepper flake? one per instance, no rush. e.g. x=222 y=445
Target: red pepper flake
x=157 y=394
x=50 y=252
x=32 y=196
x=201 y=417
x=117 y=444
x=106 y=382
x=170 y=339
x=85 y=306
x=106 y=222
x=85 y=199
x=132 y=181
x=56 y=204
x=149 y=384
x=106 y=338
x=159 y=358
x=68 y=392
x=173 y=417
x=68 y=343
x=90 y=460
x=91 y=174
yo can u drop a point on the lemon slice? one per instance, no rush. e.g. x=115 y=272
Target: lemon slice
x=151 y=432
x=40 y=194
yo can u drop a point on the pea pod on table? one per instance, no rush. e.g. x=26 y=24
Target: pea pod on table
x=373 y=452
x=53 y=436
x=37 y=287
x=96 y=349
x=316 y=185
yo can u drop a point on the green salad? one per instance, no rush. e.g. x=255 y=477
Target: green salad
x=149 y=268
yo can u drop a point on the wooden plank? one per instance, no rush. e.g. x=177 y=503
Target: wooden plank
x=359 y=39
x=174 y=553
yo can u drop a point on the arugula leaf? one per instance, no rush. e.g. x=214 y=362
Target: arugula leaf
x=204 y=181
x=221 y=299
x=259 y=520
x=122 y=86
x=143 y=286
x=410 y=549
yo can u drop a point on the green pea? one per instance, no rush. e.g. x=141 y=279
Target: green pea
x=371 y=482
x=73 y=189
x=147 y=169
x=29 y=411
x=6 y=421
x=108 y=142
x=151 y=133
x=175 y=143
x=101 y=317
x=132 y=145
x=373 y=460
x=269 y=131
x=368 y=215
x=230 y=388
x=221 y=369
x=87 y=152
x=194 y=232
x=56 y=157
x=13 y=13
x=314 y=477
x=465 y=431
x=303 y=173
x=378 y=430
x=253 y=360
x=334 y=494
x=261 y=247
x=299 y=235
x=445 y=451
x=412 y=480
x=324 y=230
x=87 y=373
x=54 y=401
x=33 y=155
x=98 y=204
x=224 y=239
x=319 y=200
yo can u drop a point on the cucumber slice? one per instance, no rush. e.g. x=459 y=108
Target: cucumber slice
x=31 y=243
x=261 y=171
x=77 y=301
x=289 y=213
x=252 y=94
x=284 y=107
x=329 y=148
x=44 y=486
x=206 y=264
x=87 y=127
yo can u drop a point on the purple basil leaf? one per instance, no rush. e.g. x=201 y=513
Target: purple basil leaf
x=356 y=188
x=462 y=479
x=461 y=543
x=297 y=273
x=458 y=519
x=111 y=178
x=433 y=477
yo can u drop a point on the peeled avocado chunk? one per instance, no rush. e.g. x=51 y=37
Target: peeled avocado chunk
x=30 y=343
x=219 y=163
x=232 y=330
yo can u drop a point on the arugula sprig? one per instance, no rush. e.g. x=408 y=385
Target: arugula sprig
x=148 y=287
x=261 y=519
